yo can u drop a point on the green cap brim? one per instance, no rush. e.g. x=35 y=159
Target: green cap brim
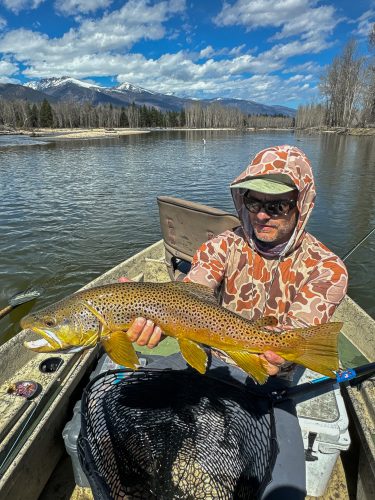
x=267 y=185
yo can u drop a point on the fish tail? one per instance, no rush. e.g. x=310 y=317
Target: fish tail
x=316 y=348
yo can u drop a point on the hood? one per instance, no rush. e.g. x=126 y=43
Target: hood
x=287 y=160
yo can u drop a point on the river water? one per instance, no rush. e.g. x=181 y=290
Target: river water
x=71 y=210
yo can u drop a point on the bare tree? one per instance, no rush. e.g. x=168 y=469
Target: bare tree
x=369 y=104
x=342 y=86
x=311 y=115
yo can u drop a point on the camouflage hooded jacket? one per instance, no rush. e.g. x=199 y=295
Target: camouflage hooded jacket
x=301 y=286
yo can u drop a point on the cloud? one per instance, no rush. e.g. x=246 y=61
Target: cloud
x=118 y=30
x=72 y=7
x=6 y=69
x=365 y=23
x=177 y=73
x=315 y=23
x=17 y=5
x=292 y=17
x=309 y=66
x=209 y=51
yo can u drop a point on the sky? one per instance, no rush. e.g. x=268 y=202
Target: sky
x=268 y=51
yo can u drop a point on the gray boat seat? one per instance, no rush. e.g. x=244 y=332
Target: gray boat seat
x=185 y=225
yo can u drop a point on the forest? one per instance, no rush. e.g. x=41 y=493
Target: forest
x=21 y=114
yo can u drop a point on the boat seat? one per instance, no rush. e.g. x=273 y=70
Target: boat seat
x=185 y=225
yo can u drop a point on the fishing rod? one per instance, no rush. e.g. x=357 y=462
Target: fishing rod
x=20 y=298
x=350 y=376
x=358 y=244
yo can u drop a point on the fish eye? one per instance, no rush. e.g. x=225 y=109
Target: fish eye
x=50 y=322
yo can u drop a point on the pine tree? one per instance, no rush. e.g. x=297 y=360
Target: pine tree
x=124 y=122
x=45 y=115
x=34 y=116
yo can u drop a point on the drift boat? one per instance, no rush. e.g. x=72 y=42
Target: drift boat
x=31 y=442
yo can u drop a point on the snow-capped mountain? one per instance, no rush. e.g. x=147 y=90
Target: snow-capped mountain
x=66 y=88
x=129 y=87
x=46 y=83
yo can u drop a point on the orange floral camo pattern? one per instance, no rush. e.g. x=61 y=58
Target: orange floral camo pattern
x=302 y=286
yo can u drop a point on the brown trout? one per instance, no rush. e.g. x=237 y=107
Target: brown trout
x=186 y=311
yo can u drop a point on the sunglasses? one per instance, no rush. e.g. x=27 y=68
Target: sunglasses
x=273 y=208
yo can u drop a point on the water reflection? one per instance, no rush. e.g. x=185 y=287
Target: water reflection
x=71 y=210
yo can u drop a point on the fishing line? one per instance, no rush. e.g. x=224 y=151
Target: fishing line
x=20 y=434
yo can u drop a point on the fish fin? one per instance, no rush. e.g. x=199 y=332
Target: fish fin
x=193 y=354
x=120 y=349
x=317 y=349
x=265 y=321
x=250 y=363
x=96 y=313
x=198 y=290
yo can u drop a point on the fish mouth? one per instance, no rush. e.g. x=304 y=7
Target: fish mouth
x=50 y=342
x=42 y=345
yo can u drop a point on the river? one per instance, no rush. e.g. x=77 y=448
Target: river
x=70 y=210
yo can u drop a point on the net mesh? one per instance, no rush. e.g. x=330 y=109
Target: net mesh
x=175 y=435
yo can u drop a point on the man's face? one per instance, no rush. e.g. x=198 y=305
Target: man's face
x=273 y=229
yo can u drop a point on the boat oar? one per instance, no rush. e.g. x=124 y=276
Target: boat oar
x=20 y=298
x=351 y=376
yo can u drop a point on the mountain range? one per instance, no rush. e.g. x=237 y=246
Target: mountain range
x=70 y=89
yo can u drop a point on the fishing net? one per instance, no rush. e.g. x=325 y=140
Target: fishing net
x=175 y=435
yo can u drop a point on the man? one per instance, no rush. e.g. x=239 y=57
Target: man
x=270 y=266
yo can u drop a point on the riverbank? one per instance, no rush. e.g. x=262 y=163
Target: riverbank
x=337 y=130
x=80 y=133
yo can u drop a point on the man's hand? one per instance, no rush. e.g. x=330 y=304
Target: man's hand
x=274 y=362
x=143 y=331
